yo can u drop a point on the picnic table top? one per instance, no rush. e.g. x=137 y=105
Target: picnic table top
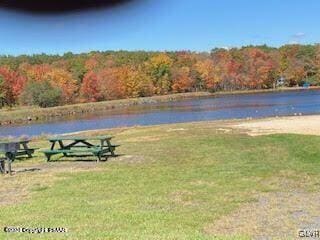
x=78 y=138
x=14 y=141
x=9 y=146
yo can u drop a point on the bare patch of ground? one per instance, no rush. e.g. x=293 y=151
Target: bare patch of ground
x=224 y=130
x=130 y=159
x=308 y=125
x=202 y=183
x=176 y=129
x=183 y=198
x=143 y=139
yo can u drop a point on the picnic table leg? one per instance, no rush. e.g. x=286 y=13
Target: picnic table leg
x=52 y=146
x=111 y=148
x=62 y=147
x=48 y=157
x=10 y=159
x=25 y=147
x=9 y=166
x=3 y=166
x=99 y=158
x=102 y=147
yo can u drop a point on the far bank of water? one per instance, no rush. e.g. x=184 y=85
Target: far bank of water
x=257 y=105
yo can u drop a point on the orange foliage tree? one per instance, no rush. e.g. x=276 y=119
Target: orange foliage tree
x=208 y=74
x=182 y=80
x=110 y=83
x=63 y=80
x=12 y=84
x=258 y=68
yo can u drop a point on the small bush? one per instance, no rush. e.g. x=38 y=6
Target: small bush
x=42 y=94
x=313 y=80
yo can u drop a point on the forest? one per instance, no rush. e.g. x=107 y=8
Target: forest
x=51 y=80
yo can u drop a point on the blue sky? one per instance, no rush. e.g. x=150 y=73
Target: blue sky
x=198 y=25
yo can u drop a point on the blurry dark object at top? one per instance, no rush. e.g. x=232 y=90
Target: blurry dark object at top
x=58 y=6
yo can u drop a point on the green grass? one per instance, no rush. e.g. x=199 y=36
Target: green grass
x=176 y=184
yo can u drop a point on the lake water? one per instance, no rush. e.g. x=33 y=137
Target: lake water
x=214 y=108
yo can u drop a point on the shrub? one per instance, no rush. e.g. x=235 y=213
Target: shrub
x=42 y=94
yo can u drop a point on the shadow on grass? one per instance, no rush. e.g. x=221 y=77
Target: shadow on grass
x=27 y=170
x=22 y=159
x=83 y=158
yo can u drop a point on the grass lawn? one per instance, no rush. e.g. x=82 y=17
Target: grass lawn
x=172 y=182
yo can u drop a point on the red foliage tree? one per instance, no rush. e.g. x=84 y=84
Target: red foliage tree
x=110 y=85
x=182 y=80
x=12 y=85
x=258 y=69
x=89 y=90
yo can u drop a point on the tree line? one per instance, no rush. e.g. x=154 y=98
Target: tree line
x=51 y=80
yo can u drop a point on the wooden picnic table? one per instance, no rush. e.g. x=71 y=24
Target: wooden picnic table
x=13 y=149
x=78 y=146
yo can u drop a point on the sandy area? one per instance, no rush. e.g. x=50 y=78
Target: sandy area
x=309 y=125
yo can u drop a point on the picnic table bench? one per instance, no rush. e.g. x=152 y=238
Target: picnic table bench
x=13 y=149
x=99 y=147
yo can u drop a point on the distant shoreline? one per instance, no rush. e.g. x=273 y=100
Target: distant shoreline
x=24 y=115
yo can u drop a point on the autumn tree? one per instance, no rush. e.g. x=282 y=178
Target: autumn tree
x=315 y=79
x=2 y=92
x=89 y=90
x=208 y=73
x=182 y=80
x=97 y=61
x=110 y=84
x=258 y=68
x=123 y=82
x=63 y=80
x=292 y=67
x=137 y=83
x=227 y=68
x=12 y=84
x=159 y=68
x=36 y=73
